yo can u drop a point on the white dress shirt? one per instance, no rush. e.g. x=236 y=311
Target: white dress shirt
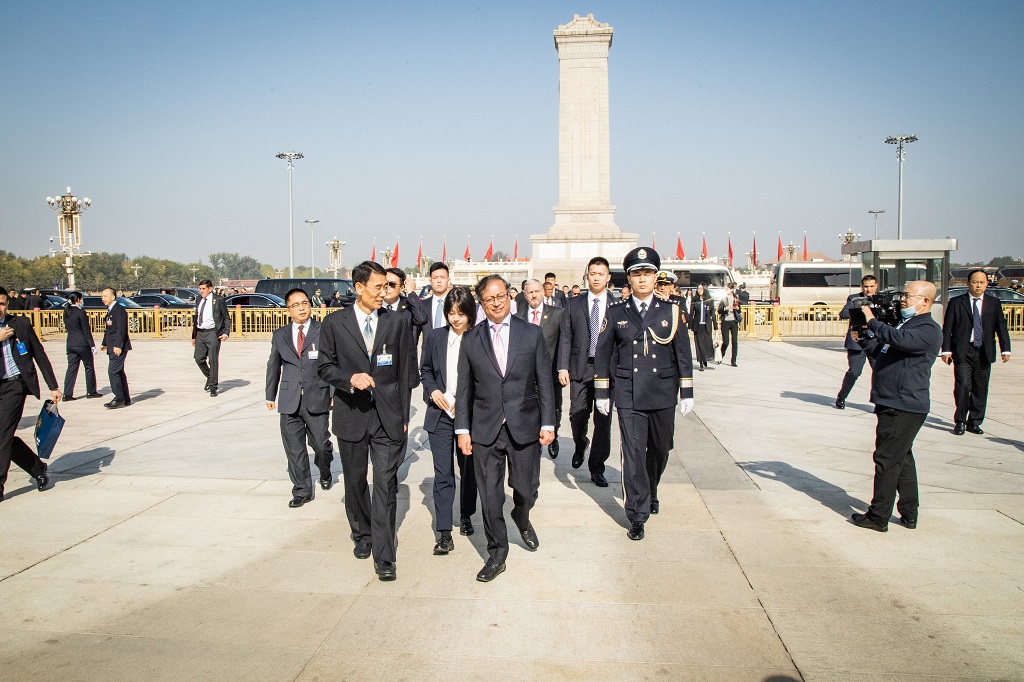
x=206 y=322
x=451 y=369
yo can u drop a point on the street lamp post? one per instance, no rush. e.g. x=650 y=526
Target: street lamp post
x=69 y=210
x=312 y=228
x=335 y=255
x=875 y=213
x=194 y=269
x=290 y=157
x=900 y=141
x=849 y=238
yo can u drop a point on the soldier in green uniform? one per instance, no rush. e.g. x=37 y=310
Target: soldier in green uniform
x=643 y=364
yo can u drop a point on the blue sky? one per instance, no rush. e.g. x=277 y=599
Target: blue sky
x=433 y=120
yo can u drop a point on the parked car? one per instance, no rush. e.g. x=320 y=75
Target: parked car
x=327 y=286
x=184 y=310
x=255 y=322
x=254 y=301
x=186 y=294
x=96 y=303
x=53 y=301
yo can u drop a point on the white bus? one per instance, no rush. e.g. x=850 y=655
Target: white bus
x=806 y=284
x=713 y=276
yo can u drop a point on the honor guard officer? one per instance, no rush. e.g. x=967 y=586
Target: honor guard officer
x=644 y=345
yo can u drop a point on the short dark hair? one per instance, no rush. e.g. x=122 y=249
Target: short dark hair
x=206 y=283
x=438 y=265
x=461 y=298
x=866 y=278
x=3 y=292
x=361 y=273
x=975 y=270
x=292 y=292
x=400 y=274
x=485 y=281
x=550 y=275
x=74 y=297
x=110 y=289
x=599 y=260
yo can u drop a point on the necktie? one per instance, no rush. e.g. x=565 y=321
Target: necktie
x=643 y=310
x=500 y=353
x=701 y=304
x=438 y=313
x=536 y=317
x=595 y=325
x=300 y=340
x=978 y=333
x=368 y=334
x=199 y=319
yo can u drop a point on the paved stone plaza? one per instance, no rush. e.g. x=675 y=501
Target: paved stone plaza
x=166 y=550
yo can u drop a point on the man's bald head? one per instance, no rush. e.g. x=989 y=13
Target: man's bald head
x=924 y=289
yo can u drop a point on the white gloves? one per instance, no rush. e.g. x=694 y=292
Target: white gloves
x=604 y=406
x=685 y=406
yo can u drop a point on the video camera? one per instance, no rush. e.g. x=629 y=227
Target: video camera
x=885 y=306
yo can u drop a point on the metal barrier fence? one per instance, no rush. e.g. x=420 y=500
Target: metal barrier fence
x=759 y=321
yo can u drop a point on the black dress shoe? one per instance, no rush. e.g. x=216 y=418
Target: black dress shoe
x=580 y=453
x=94 y=395
x=114 y=404
x=444 y=545
x=299 y=501
x=127 y=402
x=553 y=449
x=655 y=506
x=599 y=480
x=213 y=392
x=42 y=480
x=975 y=429
x=959 y=429
x=68 y=398
x=466 y=528
x=489 y=573
x=840 y=403
x=362 y=550
x=530 y=538
x=636 y=531
x=326 y=483
x=207 y=386
x=907 y=522
x=734 y=364
x=385 y=571
x=701 y=367
x=863 y=521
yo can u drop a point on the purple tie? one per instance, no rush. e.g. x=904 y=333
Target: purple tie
x=500 y=353
x=595 y=327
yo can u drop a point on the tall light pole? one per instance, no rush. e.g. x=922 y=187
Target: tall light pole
x=899 y=141
x=875 y=213
x=312 y=227
x=290 y=157
x=69 y=210
x=335 y=251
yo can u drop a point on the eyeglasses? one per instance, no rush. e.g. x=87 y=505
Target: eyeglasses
x=392 y=285
x=904 y=295
x=300 y=304
x=493 y=300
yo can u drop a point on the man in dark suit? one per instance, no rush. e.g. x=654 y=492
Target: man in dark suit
x=212 y=327
x=970 y=327
x=553 y=296
x=80 y=347
x=900 y=385
x=855 y=355
x=396 y=301
x=580 y=326
x=643 y=344
x=117 y=344
x=19 y=347
x=304 y=398
x=431 y=307
x=549 y=320
x=504 y=411
x=367 y=356
x=33 y=300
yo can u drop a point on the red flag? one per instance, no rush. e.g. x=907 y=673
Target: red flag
x=419 y=256
x=730 y=252
x=755 y=251
x=680 y=254
x=444 y=252
x=780 y=248
x=805 y=246
x=490 y=252
x=373 y=254
x=394 y=256
x=466 y=255
x=515 y=252
x=704 y=249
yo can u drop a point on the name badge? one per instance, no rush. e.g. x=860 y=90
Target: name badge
x=885 y=348
x=22 y=349
x=313 y=354
x=384 y=360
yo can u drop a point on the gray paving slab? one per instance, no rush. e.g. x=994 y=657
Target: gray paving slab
x=165 y=549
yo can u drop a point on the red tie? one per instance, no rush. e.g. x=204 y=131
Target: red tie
x=536 y=315
x=300 y=340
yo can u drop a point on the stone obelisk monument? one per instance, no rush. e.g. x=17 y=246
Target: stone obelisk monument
x=584 y=224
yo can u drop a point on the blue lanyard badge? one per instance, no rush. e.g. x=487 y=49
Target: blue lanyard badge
x=384 y=359
x=22 y=349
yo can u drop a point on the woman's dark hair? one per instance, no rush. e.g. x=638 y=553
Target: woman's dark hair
x=462 y=299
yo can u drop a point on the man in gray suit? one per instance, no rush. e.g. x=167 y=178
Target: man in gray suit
x=549 y=319
x=304 y=398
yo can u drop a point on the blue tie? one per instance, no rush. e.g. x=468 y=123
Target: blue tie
x=439 y=315
x=978 y=333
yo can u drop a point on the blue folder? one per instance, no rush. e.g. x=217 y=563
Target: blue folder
x=48 y=428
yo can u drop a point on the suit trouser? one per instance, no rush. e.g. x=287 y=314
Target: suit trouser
x=646 y=437
x=581 y=405
x=895 y=471
x=207 y=354
x=13 y=448
x=442 y=447
x=855 y=361
x=523 y=478
x=76 y=355
x=730 y=330
x=296 y=429
x=557 y=386
x=372 y=518
x=970 y=387
x=115 y=374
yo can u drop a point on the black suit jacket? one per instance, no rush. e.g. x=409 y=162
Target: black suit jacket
x=423 y=317
x=115 y=329
x=574 y=350
x=844 y=314
x=524 y=397
x=296 y=376
x=958 y=321
x=904 y=356
x=550 y=326
x=434 y=373
x=221 y=318
x=343 y=354
x=23 y=332
x=76 y=322
x=710 y=319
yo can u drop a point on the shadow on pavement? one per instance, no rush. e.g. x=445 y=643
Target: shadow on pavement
x=828 y=494
x=232 y=383
x=813 y=398
x=1006 y=441
x=607 y=499
x=146 y=395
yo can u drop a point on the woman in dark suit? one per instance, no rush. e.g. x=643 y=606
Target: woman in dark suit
x=703 y=323
x=439 y=376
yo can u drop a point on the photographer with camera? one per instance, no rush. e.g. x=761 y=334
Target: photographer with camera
x=855 y=355
x=903 y=358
